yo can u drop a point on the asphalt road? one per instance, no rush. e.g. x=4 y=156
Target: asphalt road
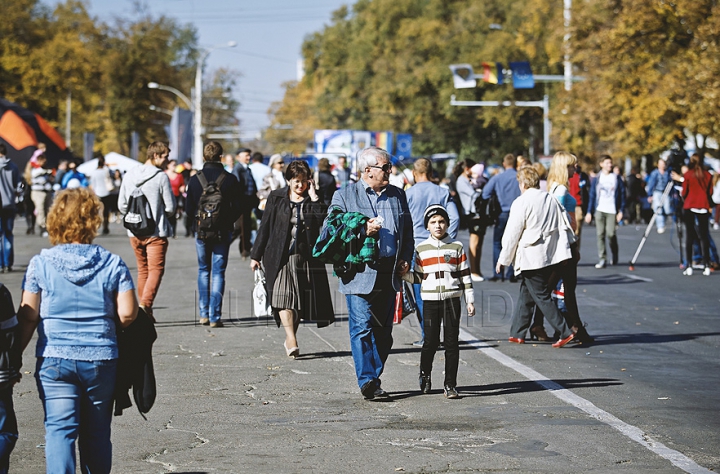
x=644 y=398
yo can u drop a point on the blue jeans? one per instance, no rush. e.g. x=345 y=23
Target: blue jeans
x=77 y=397
x=7 y=222
x=661 y=211
x=8 y=429
x=497 y=244
x=212 y=262
x=420 y=308
x=371 y=323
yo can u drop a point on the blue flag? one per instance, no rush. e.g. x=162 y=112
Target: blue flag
x=522 y=75
x=404 y=146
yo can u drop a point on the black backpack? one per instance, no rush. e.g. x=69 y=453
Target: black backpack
x=209 y=211
x=139 y=219
x=488 y=210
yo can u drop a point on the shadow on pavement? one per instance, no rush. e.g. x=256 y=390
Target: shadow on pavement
x=645 y=338
x=607 y=280
x=510 y=388
x=526 y=386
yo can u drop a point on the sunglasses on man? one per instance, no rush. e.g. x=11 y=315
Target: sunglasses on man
x=386 y=168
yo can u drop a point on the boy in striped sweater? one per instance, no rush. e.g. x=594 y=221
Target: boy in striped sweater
x=442 y=269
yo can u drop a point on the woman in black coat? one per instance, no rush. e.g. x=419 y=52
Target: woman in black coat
x=296 y=283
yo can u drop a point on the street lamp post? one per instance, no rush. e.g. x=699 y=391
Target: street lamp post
x=155 y=85
x=197 y=126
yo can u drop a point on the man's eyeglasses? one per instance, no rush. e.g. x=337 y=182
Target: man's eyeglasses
x=386 y=168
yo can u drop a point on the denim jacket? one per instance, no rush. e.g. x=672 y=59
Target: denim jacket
x=79 y=284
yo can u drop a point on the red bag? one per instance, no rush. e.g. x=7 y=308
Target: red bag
x=398 y=316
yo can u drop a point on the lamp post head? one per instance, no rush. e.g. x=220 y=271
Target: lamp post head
x=153 y=85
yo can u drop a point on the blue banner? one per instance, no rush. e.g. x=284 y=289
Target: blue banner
x=522 y=75
x=404 y=146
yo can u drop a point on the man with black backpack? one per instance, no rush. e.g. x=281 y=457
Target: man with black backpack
x=214 y=204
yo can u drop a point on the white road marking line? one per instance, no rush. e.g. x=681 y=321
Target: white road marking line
x=635 y=277
x=323 y=340
x=636 y=434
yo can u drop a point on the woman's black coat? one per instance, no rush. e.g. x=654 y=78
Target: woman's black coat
x=271 y=247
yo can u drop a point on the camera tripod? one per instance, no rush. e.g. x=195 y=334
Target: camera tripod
x=659 y=207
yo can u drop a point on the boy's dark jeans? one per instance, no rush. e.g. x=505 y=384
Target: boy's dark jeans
x=8 y=428
x=447 y=312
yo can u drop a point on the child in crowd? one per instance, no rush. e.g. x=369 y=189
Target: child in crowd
x=10 y=363
x=442 y=269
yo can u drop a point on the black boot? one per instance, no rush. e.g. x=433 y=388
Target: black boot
x=425 y=383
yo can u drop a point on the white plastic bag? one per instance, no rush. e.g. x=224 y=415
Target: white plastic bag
x=261 y=305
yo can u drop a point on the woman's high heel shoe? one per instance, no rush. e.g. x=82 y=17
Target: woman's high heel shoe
x=291 y=352
x=537 y=333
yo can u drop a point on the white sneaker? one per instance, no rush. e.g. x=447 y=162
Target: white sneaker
x=688 y=271
x=476 y=277
x=661 y=230
x=600 y=264
x=706 y=272
x=716 y=226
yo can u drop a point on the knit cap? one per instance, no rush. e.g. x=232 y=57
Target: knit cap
x=434 y=210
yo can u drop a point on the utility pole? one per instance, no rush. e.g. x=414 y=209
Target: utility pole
x=68 y=118
x=567 y=4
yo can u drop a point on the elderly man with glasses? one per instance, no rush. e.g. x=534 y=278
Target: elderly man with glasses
x=370 y=287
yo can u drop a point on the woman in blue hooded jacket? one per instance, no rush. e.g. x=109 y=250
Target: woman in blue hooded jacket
x=75 y=294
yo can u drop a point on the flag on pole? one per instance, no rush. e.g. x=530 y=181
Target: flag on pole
x=384 y=140
x=492 y=73
x=522 y=75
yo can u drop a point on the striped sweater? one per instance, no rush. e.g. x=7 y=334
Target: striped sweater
x=442 y=269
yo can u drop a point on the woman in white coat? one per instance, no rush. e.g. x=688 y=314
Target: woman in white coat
x=536 y=241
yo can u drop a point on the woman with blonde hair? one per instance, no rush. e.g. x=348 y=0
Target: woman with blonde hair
x=86 y=292
x=562 y=169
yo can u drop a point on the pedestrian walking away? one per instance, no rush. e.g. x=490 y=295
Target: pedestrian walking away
x=504 y=186
x=468 y=191
x=80 y=285
x=370 y=287
x=9 y=182
x=419 y=196
x=248 y=191
x=101 y=182
x=150 y=250
x=441 y=267
x=537 y=240
x=606 y=203
x=212 y=242
x=296 y=282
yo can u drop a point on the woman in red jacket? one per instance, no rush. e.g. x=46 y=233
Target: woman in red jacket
x=696 y=191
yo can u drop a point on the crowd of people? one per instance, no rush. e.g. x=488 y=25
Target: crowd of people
x=377 y=235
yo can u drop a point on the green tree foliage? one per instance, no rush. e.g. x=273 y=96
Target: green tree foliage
x=652 y=71
x=46 y=53
x=384 y=66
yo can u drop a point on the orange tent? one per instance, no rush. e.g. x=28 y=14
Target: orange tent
x=21 y=130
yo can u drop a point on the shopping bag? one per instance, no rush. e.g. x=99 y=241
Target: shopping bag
x=261 y=305
x=404 y=303
x=398 y=315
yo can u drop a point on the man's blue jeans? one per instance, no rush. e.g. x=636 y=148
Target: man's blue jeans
x=371 y=323
x=661 y=211
x=7 y=222
x=77 y=397
x=417 y=291
x=212 y=263
x=497 y=244
x=8 y=428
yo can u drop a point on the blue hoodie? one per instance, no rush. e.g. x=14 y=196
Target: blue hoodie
x=79 y=284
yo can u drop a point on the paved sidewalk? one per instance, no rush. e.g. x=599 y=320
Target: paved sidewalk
x=229 y=400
